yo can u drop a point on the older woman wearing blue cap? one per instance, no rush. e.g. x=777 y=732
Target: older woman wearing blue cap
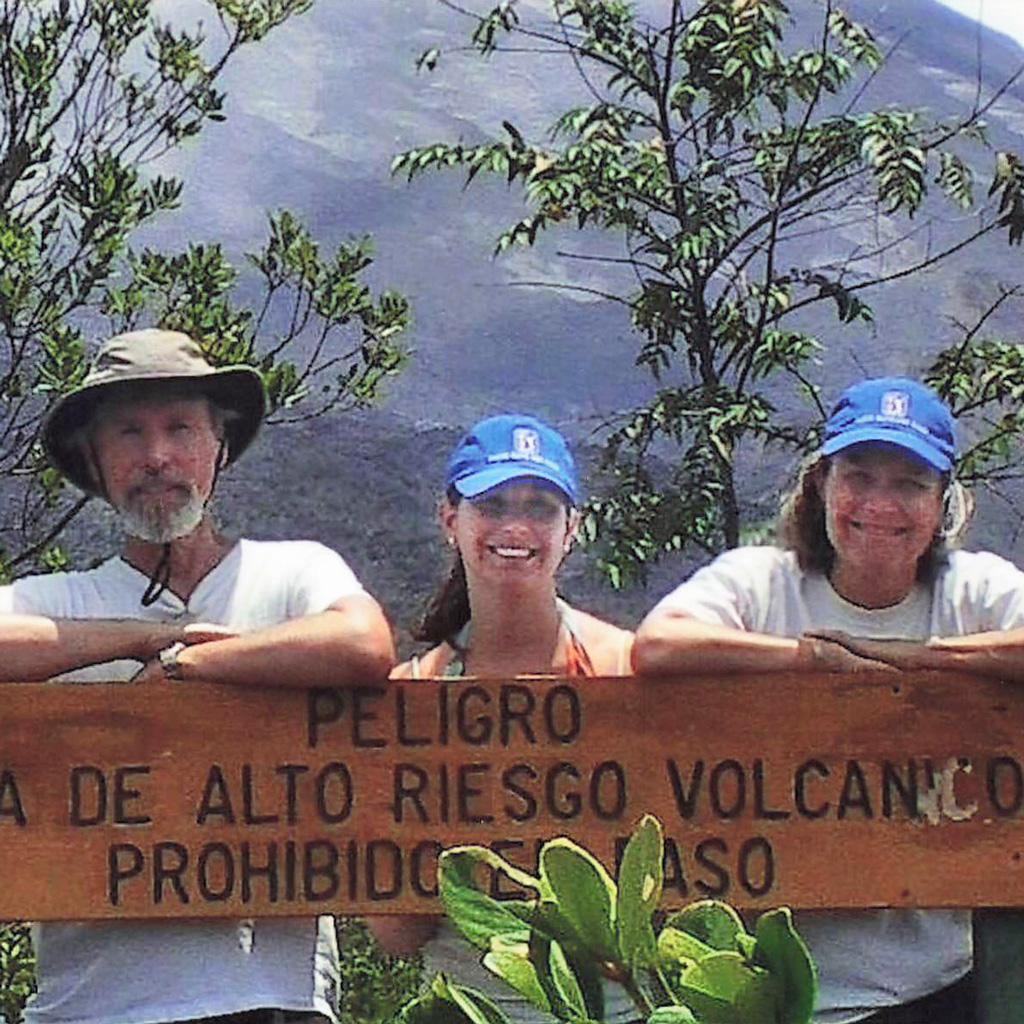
x=863 y=577
x=509 y=513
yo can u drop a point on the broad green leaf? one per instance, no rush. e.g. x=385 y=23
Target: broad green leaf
x=672 y=1015
x=715 y=923
x=675 y=944
x=759 y=999
x=476 y=1006
x=477 y=915
x=520 y=973
x=564 y=978
x=584 y=892
x=548 y=922
x=430 y=1008
x=639 y=891
x=781 y=950
x=719 y=974
x=446 y=1003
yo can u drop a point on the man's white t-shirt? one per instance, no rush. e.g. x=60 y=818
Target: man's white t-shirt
x=144 y=972
x=866 y=959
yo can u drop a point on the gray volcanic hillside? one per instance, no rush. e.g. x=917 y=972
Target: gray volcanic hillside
x=314 y=119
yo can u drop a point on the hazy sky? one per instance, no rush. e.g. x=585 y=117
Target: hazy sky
x=1005 y=16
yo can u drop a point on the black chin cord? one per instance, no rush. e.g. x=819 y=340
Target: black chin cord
x=159 y=579
x=161 y=575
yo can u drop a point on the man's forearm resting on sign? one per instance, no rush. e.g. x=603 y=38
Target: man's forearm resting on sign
x=348 y=643
x=36 y=647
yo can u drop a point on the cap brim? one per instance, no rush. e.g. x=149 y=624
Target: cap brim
x=917 y=446
x=475 y=484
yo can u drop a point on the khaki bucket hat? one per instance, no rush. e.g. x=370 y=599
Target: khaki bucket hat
x=152 y=356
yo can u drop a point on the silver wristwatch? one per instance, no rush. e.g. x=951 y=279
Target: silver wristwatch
x=169 y=660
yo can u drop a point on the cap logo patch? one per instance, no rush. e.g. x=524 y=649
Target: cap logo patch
x=895 y=405
x=526 y=443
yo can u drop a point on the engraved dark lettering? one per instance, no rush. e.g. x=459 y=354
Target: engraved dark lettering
x=97 y=807
x=10 y=799
x=391 y=876
x=409 y=782
x=563 y=717
x=510 y=781
x=465 y=792
x=323 y=707
x=402 y=723
x=608 y=776
x=124 y=861
x=423 y=867
x=338 y=774
x=251 y=870
x=800 y=789
x=362 y=716
x=215 y=864
x=686 y=798
x=516 y=704
x=761 y=808
x=250 y=815
x=672 y=864
x=719 y=782
x=291 y=772
x=122 y=795
x=562 y=803
x=904 y=787
x=855 y=795
x=216 y=800
x=169 y=863
x=475 y=731
x=718 y=885
x=756 y=866
x=322 y=869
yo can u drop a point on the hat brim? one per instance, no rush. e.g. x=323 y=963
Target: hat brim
x=899 y=438
x=475 y=484
x=238 y=389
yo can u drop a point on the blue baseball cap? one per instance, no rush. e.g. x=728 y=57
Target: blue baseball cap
x=510 y=447
x=896 y=411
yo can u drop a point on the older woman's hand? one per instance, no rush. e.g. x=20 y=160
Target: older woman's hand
x=835 y=651
x=892 y=654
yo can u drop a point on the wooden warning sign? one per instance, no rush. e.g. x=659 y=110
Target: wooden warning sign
x=183 y=800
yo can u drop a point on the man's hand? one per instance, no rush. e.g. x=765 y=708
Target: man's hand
x=153 y=670
x=205 y=632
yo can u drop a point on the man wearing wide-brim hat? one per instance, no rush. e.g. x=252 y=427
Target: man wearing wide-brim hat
x=149 y=431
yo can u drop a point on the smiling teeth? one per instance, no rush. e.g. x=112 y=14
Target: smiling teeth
x=513 y=552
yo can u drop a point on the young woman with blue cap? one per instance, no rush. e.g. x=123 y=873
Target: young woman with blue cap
x=509 y=514
x=864 y=557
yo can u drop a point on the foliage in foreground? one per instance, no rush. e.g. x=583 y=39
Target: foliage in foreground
x=738 y=182
x=700 y=967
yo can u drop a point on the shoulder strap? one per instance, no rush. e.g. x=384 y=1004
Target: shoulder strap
x=577 y=662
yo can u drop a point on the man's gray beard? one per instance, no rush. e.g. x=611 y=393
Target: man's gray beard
x=161 y=527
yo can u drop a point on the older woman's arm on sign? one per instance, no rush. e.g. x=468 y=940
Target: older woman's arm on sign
x=998 y=653
x=671 y=642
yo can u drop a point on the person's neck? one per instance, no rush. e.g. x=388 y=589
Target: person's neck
x=192 y=556
x=865 y=589
x=513 y=634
